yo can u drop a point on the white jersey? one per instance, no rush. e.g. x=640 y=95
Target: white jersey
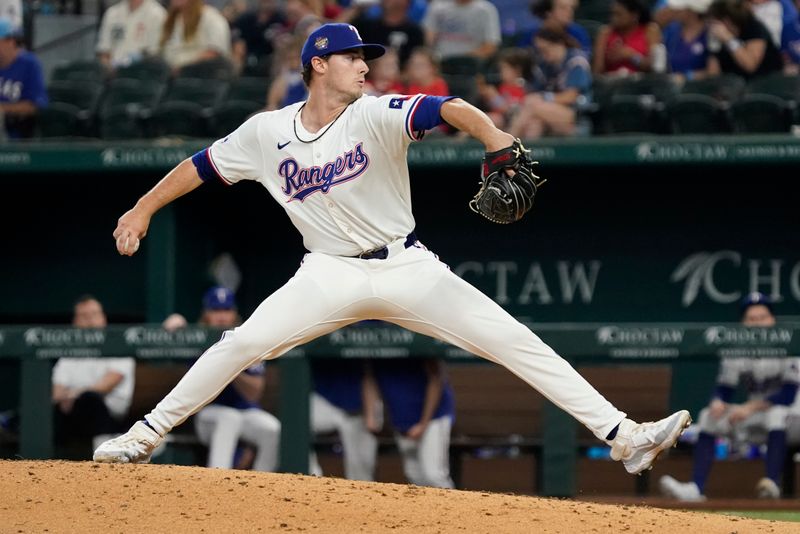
x=347 y=191
x=760 y=377
x=78 y=373
x=128 y=35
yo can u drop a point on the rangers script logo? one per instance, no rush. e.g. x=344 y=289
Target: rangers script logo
x=301 y=182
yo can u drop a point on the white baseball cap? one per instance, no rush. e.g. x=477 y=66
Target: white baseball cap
x=698 y=6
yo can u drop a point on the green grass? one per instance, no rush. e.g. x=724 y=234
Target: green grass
x=769 y=515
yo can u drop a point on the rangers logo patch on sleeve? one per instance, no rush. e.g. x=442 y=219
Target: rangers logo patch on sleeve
x=397 y=103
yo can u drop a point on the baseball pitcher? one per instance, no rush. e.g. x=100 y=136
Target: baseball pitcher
x=337 y=164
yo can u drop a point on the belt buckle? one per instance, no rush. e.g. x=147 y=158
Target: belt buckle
x=376 y=253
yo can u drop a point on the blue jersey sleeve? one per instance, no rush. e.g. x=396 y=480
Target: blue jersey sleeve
x=425 y=114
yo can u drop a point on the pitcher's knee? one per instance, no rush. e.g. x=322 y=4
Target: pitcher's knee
x=246 y=345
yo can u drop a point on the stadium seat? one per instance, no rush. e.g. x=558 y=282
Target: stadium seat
x=80 y=70
x=725 y=87
x=781 y=85
x=218 y=68
x=179 y=118
x=60 y=120
x=132 y=94
x=230 y=114
x=257 y=66
x=83 y=95
x=759 y=113
x=698 y=114
x=660 y=86
x=206 y=93
x=151 y=69
x=120 y=123
x=251 y=89
x=628 y=114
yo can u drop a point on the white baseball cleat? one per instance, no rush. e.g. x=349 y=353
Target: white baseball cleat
x=134 y=447
x=767 y=489
x=639 y=444
x=683 y=491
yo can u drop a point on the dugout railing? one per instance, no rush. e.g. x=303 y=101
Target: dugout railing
x=687 y=347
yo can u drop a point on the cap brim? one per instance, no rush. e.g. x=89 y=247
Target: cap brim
x=371 y=51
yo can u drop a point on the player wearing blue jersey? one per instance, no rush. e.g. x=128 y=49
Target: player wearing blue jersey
x=771 y=385
x=336 y=163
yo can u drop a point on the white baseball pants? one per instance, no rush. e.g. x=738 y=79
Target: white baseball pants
x=411 y=288
x=359 y=444
x=221 y=428
x=426 y=461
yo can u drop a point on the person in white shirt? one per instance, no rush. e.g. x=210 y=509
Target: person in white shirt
x=194 y=31
x=130 y=30
x=91 y=396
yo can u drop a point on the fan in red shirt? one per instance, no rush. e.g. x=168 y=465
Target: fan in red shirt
x=422 y=74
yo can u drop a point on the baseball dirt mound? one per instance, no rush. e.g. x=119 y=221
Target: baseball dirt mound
x=88 y=497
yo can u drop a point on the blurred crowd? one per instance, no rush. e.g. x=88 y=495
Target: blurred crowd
x=555 y=75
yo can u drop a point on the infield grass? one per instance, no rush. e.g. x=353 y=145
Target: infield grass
x=769 y=515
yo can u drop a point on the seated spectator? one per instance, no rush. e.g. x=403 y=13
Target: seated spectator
x=373 y=9
x=392 y=29
x=193 y=32
x=739 y=43
x=462 y=28
x=383 y=77
x=556 y=14
x=235 y=414
x=22 y=91
x=561 y=82
x=287 y=85
x=503 y=101
x=686 y=38
x=91 y=396
x=422 y=74
x=129 y=31
x=630 y=43
x=254 y=33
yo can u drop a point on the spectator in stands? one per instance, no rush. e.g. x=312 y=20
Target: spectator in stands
x=556 y=14
x=254 y=33
x=686 y=38
x=91 y=396
x=462 y=28
x=421 y=406
x=22 y=91
x=337 y=406
x=193 y=32
x=739 y=43
x=303 y=16
x=771 y=385
x=503 y=101
x=561 y=83
x=383 y=77
x=287 y=85
x=235 y=415
x=422 y=74
x=392 y=29
x=630 y=43
x=130 y=31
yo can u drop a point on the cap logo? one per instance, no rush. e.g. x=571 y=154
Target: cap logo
x=321 y=43
x=355 y=30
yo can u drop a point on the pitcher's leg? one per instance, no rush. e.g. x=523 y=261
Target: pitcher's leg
x=275 y=327
x=450 y=309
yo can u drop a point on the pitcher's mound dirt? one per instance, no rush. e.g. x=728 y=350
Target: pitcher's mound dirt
x=86 y=497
